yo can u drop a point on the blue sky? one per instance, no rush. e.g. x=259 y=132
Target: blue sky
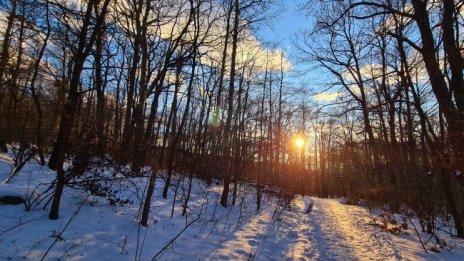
x=282 y=28
x=282 y=31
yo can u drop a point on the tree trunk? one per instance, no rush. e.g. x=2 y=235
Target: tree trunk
x=67 y=118
x=227 y=136
x=4 y=58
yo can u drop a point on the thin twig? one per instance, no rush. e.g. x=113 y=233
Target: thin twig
x=18 y=225
x=417 y=232
x=57 y=237
x=174 y=239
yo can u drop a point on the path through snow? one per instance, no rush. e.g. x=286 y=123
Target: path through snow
x=331 y=231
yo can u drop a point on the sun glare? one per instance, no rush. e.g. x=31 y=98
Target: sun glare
x=299 y=142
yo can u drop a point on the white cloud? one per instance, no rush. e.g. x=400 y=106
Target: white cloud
x=326 y=97
x=173 y=17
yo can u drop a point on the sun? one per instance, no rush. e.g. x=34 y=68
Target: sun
x=299 y=142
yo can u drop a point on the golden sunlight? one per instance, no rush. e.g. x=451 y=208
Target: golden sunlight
x=299 y=142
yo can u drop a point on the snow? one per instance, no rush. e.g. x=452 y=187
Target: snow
x=89 y=228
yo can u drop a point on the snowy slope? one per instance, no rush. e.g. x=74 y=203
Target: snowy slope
x=91 y=229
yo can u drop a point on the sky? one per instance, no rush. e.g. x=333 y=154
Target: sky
x=282 y=30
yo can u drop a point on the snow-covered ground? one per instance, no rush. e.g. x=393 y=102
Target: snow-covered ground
x=89 y=228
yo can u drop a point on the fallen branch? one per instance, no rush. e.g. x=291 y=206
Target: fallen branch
x=19 y=165
x=417 y=232
x=174 y=239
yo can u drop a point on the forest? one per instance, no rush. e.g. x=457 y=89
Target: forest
x=368 y=105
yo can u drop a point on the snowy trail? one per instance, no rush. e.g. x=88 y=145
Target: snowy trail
x=343 y=232
x=332 y=231
x=245 y=241
x=327 y=243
